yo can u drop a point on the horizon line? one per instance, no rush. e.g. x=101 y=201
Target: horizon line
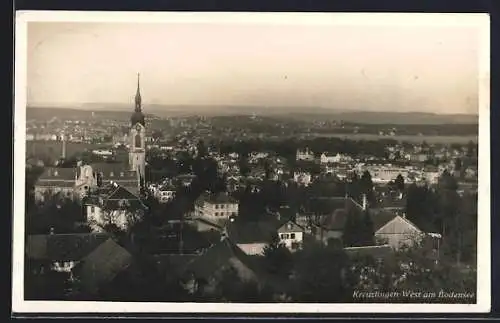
x=81 y=106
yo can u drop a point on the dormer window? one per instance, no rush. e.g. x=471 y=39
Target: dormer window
x=56 y=173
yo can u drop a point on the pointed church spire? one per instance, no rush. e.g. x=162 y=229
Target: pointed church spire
x=137 y=116
x=138 y=95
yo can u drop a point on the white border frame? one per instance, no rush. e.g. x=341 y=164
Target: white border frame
x=481 y=21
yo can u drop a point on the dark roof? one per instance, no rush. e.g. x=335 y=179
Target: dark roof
x=63 y=247
x=215 y=225
x=252 y=231
x=55 y=183
x=393 y=203
x=326 y=205
x=103 y=264
x=119 y=195
x=221 y=198
x=380 y=217
x=221 y=255
x=167 y=187
x=215 y=258
x=116 y=168
x=290 y=226
x=56 y=173
x=287 y=213
x=173 y=262
x=335 y=221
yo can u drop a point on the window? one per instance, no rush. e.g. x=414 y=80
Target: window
x=216 y=213
x=222 y=206
x=233 y=213
x=216 y=206
x=292 y=236
x=92 y=209
x=138 y=141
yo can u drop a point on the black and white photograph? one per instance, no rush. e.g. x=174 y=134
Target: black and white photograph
x=251 y=162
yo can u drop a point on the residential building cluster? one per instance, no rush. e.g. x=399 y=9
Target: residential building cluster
x=115 y=193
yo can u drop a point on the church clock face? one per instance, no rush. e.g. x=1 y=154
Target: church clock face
x=138 y=127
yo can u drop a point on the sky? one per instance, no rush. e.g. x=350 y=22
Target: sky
x=343 y=67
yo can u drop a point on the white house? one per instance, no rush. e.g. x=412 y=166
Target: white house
x=385 y=174
x=115 y=206
x=302 y=178
x=164 y=193
x=103 y=152
x=332 y=159
x=306 y=155
x=291 y=235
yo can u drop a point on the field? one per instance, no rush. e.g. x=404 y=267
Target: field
x=53 y=149
x=407 y=138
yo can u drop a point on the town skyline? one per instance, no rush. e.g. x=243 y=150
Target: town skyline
x=240 y=65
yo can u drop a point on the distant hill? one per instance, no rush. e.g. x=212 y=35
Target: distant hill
x=123 y=111
x=397 y=117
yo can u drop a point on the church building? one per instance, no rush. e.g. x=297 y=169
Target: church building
x=137 y=149
x=131 y=175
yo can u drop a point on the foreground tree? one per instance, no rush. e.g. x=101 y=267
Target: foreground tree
x=278 y=259
x=411 y=269
x=55 y=213
x=400 y=183
x=318 y=274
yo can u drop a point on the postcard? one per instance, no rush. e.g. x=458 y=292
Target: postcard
x=251 y=163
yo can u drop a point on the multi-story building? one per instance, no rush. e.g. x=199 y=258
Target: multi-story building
x=165 y=193
x=306 y=155
x=216 y=208
x=70 y=182
x=302 y=178
x=386 y=173
x=331 y=159
x=113 y=204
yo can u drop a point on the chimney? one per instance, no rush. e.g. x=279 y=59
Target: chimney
x=63 y=147
x=365 y=202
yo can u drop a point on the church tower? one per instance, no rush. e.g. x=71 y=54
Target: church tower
x=137 y=150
